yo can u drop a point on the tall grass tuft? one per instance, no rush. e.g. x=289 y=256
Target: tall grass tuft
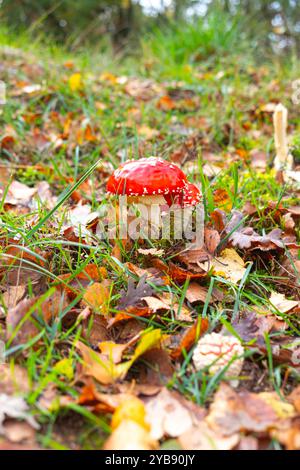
x=208 y=39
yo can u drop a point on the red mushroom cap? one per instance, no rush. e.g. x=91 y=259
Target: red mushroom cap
x=191 y=195
x=147 y=177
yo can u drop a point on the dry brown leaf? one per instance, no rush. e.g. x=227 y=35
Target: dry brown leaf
x=171 y=415
x=281 y=303
x=13 y=379
x=192 y=258
x=288 y=434
x=176 y=272
x=294 y=398
x=95 y=330
x=19 y=194
x=23 y=321
x=233 y=412
x=247 y=238
x=202 y=437
x=212 y=239
x=17 y=432
x=129 y=314
x=196 y=293
x=155 y=370
x=156 y=304
x=182 y=312
x=13 y=295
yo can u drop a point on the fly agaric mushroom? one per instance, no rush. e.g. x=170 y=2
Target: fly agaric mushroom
x=149 y=178
x=153 y=181
x=215 y=351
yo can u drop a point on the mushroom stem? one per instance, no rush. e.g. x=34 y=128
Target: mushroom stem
x=283 y=159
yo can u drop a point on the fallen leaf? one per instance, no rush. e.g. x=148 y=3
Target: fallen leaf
x=165 y=103
x=135 y=293
x=212 y=239
x=281 y=303
x=288 y=434
x=18 y=432
x=228 y=265
x=233 y=412
x=130 y=409
x=156 y=369
x=189 y=337
x=171 y=415
x=283 y=409
x=247 y=238
x=294 y=398
x=202 y=437
x=115 y=351
x=75 y=82
x=104 y=370
x=13 y=295
x=14 y=407
x=19 y=194
x=25 y=321
x=13 y=379
x=129 y=435
x=176 y=272
x=96 y=296
x=196 y=293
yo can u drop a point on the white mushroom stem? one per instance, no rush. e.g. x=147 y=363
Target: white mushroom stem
x=152 y=205
x=147 y=200
x=283 y=159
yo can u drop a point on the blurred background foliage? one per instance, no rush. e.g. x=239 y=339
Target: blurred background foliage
x=189 y=30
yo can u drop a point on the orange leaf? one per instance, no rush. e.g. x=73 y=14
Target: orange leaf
x=96 y=296
x=190 y=336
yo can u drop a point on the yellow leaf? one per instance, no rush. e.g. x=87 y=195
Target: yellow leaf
x=132 y=408
x=75 y=82
x=65 y=367
x=102 y=367
x=148 y=341
x=229 y=265
x=282 y=409
x=99 y=366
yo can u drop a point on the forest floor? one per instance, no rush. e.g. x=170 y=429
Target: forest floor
x=99 y=334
